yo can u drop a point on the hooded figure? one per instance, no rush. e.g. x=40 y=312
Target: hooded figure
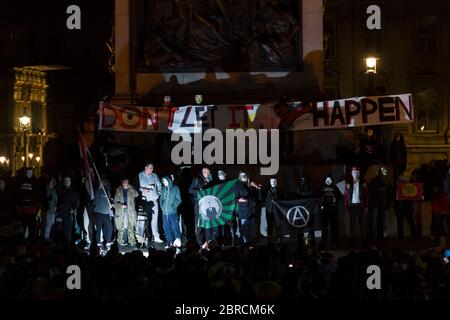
x=329 y=196
x=380 y=200
x=245 y=205
x=169 y=201
x=68 y=202
x=397 y=154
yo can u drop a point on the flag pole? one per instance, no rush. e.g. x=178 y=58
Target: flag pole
x=96 y=172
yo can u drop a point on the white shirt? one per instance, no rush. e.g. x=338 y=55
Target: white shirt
x=355 y=195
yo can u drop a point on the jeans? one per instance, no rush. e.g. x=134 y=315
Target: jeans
x=377 y=222
x=171 y=224
x=329 y=220
x=152 y=210
x=357 y=213
x=244 y=227
x=103 y=223
x=49 y=224
x=203 y=235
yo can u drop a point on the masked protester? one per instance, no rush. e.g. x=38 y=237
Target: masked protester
x=150 y=187
x=170 y=200
x=329 y=196
x=200 y=182
x=52 y=200
x=125 y=212
x=245 y=206
x=68 y=202
x=273 y=192
x=380 y=200
x=356 y=201
x=27 y=196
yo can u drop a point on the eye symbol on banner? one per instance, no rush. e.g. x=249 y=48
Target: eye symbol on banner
x=298 y=216
x=210 y=207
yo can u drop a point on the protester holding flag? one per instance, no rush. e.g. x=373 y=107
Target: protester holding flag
x=169 y=200
x=102 y=213
x=125 y=210
x=356 y=201
x=230 y=227
x=200 y=182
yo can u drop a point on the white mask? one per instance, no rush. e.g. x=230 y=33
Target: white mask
x=328 y=181
x=165 y=182
x=221 y=177
x=243 y=178
x=384 y=171
x=273 y=183
x=198 y=98
x=29 y=173
x=355 y=174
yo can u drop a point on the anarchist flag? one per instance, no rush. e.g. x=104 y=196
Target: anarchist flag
x=298 y=216
x=216 y=205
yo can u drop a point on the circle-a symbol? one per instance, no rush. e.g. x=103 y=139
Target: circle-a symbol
x=298 y=216
x=210 y=207
x=409 y=190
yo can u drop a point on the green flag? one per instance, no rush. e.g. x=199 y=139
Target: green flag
x=216 y=205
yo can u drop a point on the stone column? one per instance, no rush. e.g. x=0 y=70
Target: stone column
x=122 y=51
x=312 y=26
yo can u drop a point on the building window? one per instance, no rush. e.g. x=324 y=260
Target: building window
x=329 y=38
x=427 y=32
x=427 y=111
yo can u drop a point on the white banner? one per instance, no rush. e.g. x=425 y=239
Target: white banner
x=335 y=114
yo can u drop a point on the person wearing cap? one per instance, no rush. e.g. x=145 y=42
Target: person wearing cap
x=356 y=201
x=380 y=200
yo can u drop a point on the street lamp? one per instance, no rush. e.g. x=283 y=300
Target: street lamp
x=371 y=65
x=38 y=159
x=2 y=160
x=25 y=123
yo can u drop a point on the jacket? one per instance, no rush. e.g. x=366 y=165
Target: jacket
x=68 y=200
x=52 y=200
x=380 y=193
x=101 y=202
x=170 y=198
x=27 y=191
x=146 y=181
x=363 y=194
x=329 y=196
x=197 y=184
x=119 y=200
x=244 y=209
x=271 y=195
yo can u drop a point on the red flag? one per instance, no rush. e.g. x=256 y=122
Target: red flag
x=86 y=165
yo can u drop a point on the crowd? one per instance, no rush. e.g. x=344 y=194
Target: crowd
x=214 y=274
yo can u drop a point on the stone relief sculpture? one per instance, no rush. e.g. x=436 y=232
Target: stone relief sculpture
x=205 y=33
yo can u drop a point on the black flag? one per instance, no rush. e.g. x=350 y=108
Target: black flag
x=298 y=216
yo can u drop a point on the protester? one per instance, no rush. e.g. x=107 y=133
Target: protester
x=169 y=201
x=150 y=188
x=439 y=209
x=68 y=202
x=404 y=210
x=329 y=197
x=356 y=201
x=272 y=193
x=244 y=207
x=52 y=200
x=102 y=214
x=27 y=196
x=398 y=155
x=200 y=182
x=380 y=200
x=125 y=212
